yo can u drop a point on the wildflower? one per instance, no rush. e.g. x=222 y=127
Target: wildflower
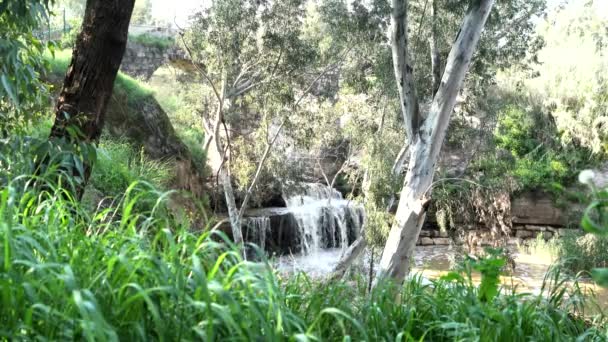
x=586 y=177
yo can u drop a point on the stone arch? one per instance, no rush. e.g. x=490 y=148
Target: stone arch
x=141 y=61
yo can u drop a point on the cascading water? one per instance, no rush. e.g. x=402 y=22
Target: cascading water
x=324 y=218
x=257 y=227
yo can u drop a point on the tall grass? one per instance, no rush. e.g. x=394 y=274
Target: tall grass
x=120 y=274
x=119 y=165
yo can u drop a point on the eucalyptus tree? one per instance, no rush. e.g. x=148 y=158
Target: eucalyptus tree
x=425 y=132
x=509 y=39
x=21 y=60
x=252 y=57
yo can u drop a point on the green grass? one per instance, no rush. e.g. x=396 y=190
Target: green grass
x=126 y=85
x=120 y=274
x=119 y=165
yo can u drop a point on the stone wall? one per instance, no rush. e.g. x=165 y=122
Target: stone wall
x=532 y=214
x=480 y=236
x=141 y=61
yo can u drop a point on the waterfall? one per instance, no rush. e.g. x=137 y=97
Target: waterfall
x=325 y=219
x=257 y=227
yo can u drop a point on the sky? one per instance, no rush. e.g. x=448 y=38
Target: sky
x=181 y=10
x=167 y=10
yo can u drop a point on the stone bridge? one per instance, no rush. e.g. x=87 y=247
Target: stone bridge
x=143 y=56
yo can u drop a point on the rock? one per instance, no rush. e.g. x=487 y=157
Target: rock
x=566 y=231
x=434 y=233
x=425 y=233
x=547 y=235
x=536 y=228
x=145 y=124
x=441 y=241
x=514 y=241
x=537 y=208
x=425 y=241
x=525 y=234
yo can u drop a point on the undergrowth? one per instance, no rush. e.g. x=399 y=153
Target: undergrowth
x=120 y=274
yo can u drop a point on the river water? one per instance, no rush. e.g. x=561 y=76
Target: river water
x=327 y=222
x=434 y=261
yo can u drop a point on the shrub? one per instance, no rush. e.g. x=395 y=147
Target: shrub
x=116 y=274
x=119 y=165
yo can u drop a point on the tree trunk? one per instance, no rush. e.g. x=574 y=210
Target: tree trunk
x=349 y=256
x=435 y=58
x=224 y=176
x=89 y=80
x=404 y=69
x=415 y=195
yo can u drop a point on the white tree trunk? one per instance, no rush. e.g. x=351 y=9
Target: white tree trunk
x=411 y=212
x=233 y=212
x=435 y=58
x=349 y=256
x=403 y=69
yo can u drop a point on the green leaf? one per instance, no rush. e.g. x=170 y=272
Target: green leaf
x=600 y=276
x=588 y=224
x=9 y=89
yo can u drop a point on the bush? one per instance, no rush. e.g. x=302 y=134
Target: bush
x=583 y=252
x=116 y=274
x=119 y=165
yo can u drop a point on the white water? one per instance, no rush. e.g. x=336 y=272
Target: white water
x=257 y=229
x=324 y=217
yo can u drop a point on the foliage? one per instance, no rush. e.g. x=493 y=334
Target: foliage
x=152 y=40
x=142 y=12
x=571 y=79
x=119 y=165
x=116 y=274
x=21 y=91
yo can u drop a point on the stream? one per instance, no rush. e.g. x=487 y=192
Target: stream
x=434 y=261
x=327 y=223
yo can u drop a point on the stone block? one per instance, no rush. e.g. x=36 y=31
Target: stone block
x=425 y=241
x=547 y=235
x=566 y=231
x=425 y=233
x=442 y=241
x=537 y=209
x=536 y=228
x=525 y=234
